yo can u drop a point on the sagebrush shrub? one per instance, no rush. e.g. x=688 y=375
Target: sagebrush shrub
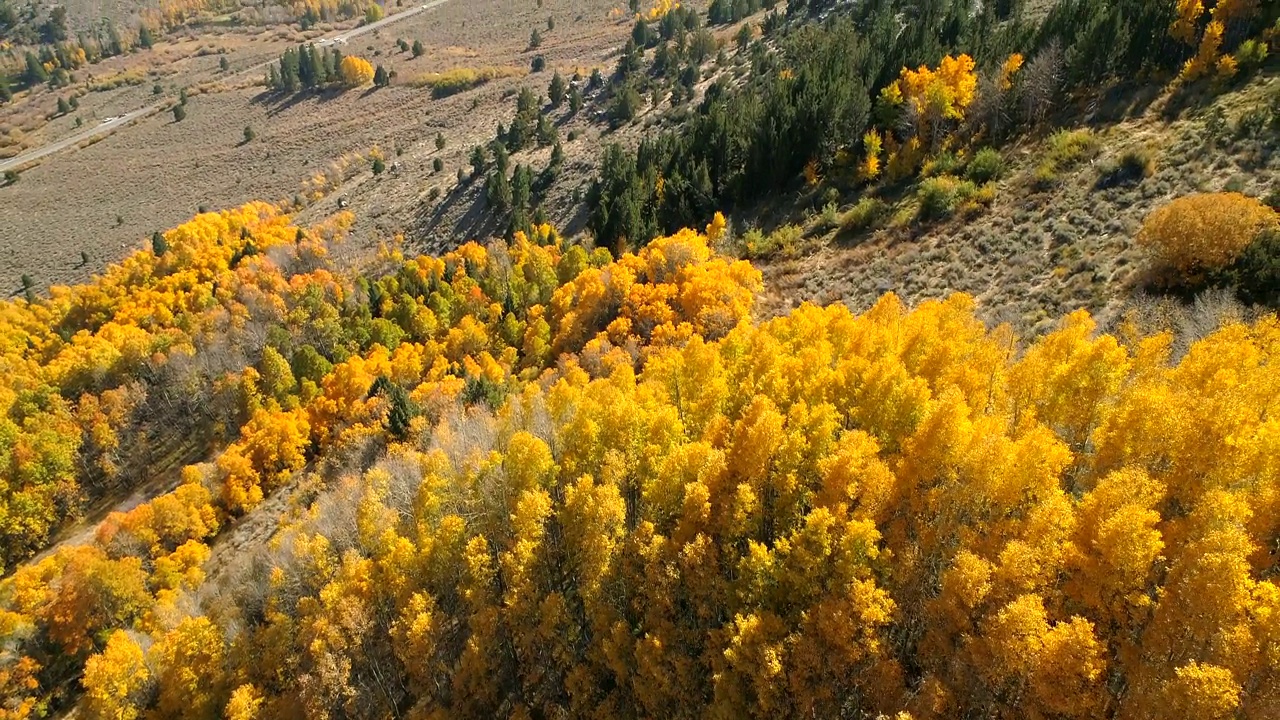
x=868 y=213
x=940 y=196
x=986 y=165
x=1131 y=166
x=1066 y=148
x=945 y=163
x=783 y=240
x=1251 y=54
x=830 y=216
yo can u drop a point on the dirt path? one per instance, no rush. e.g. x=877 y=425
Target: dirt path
x=110 y=125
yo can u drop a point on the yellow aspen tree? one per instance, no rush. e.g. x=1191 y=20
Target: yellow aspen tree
x=1200 y=691
x=191 y=677
x=1188 y=14
x=356 y=71
x=872 y=146
x=116 y=681
x=245 y=703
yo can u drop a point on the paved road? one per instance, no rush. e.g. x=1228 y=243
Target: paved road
x=105 y=128
x=74 y=139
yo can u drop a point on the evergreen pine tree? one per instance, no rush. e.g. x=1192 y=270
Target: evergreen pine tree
x=556 y=90
x=35 y=74
x=306 y=67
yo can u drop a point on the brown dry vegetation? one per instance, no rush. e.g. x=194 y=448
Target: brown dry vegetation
x=156 y=173
x=1038 y=254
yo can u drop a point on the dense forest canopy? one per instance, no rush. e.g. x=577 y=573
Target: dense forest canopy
x=532 y=479
x=526 y=480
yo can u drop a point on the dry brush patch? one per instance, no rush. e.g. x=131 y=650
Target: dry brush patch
x=451 y=82
x=1042 y=249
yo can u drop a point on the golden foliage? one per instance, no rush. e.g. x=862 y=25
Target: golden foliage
x=356 y=71
x=569 y=485
x=872 y=145
x=456 y=80
x=1204 y=231
x=115 y=681
x=937 y=94
x=1008 y=69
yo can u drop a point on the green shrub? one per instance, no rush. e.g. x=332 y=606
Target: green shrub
x=179 y=113
x=1252 y=122
x=1215 y=122
x=830 y=216
x=979 y=197
x=10 y=177
x=867 y=214
x=783 y=240
x=945 y=163
x=625 y=106
x=479 y=390
x=1251 y=54
x=1272 y=199
x=939 y=196
x=1066 y=149
x=1134 y=164
x=1255 y=275
x=385 y=333
x=753 y=242
x=786 y=238
x=437 y=165
x=987 y=165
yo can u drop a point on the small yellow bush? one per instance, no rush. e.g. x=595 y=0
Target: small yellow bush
x=452 y=82
x=1204 y=231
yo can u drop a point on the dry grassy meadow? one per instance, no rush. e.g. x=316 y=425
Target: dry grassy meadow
x=108 y=197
